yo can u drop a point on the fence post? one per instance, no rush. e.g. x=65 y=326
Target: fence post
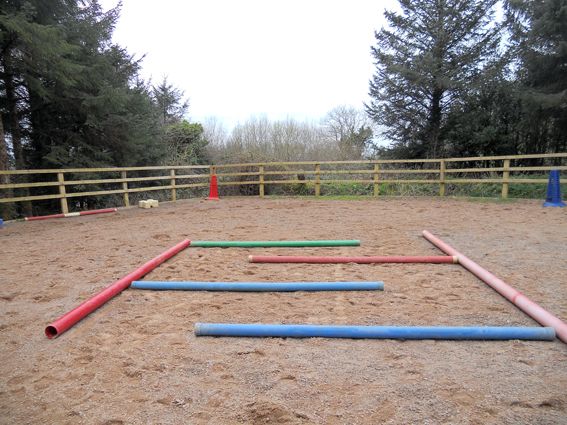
x=172 y=183
x=261 y=171
x=376 y=179
x=124 y=175
x=317 y=179
x=442 y=168
x=505 y=178
x=63 y=193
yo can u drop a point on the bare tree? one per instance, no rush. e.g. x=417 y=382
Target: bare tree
x=350 y=129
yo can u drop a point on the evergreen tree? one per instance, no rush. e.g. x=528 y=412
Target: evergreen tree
x=427 y=60
x=170 y=102
x=72 y=97
x=539 y=43
x=33 y=54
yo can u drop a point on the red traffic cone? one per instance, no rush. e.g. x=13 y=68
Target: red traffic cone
x=213 y=189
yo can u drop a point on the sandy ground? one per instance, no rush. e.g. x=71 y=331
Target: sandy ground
x=136 y=359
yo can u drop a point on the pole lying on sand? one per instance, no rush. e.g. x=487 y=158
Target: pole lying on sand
x=273 y=244
x=529 y=307
x=259 y=286
x=73 y=214
x=359 y=260
x=375 y=332
x=69 y=319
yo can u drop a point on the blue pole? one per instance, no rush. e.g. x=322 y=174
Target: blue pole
x=259 y=286
x=375 y=332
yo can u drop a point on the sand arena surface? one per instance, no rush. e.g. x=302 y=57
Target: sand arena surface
x=136 y=359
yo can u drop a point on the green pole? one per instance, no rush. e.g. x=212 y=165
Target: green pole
x=268 y=244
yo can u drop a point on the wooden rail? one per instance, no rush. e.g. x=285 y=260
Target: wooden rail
x=63 y=186
x=502 y=170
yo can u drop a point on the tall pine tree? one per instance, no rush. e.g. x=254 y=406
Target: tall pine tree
x=539 y=42
x=427 y=59
x=170 y=102
x=70 y=97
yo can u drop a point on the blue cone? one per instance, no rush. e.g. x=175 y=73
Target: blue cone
x=553 y=198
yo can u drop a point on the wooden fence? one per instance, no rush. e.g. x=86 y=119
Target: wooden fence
x=500 y=170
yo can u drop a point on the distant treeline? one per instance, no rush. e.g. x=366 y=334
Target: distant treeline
x=452 y=78
x=468 y=78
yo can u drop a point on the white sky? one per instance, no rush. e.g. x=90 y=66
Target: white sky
x=239 y=58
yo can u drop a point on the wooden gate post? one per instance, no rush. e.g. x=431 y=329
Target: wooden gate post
x=63 y=193
x=124 y=175
x=172 y=183
x=261 y=171
x=505 y=178
x=442 y=168
x=376 y=179
x=317 y=179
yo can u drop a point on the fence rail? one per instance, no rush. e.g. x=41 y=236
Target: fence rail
x=502 y=170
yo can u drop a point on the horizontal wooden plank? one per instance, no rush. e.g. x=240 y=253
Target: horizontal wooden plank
x=105 y=169
x=435 y=171
x=546 y=168
x=528 y=181
x=237 y=174
x=474 y=170
x=289 y=182
x=30 y=198
x=499 y=169
x=312 y=182
x=292 y=172
x=511 y=181
x=191 y=185
x=192 y=176
x=511 y=157
x=237 y=183
x=459 y=181
x=328 y=172
x=403 y=181
x=96 y=193
x=22 y=185
x=105 y=181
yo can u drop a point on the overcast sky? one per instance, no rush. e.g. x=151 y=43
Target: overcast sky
x=239 y=58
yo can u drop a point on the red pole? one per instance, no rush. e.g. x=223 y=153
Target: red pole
x=73 y=214
x=359 y=260
x=535 y=311
x=44 y=217
x=103 y=211
x=69 y=319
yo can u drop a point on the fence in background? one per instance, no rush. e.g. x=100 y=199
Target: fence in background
x=307 y=175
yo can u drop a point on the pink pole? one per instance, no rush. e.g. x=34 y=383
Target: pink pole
x=69 y=319
x=359 y=260
x=73 y=214
x=529 y=307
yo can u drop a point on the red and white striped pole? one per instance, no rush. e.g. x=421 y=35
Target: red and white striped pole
x=73 y=214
